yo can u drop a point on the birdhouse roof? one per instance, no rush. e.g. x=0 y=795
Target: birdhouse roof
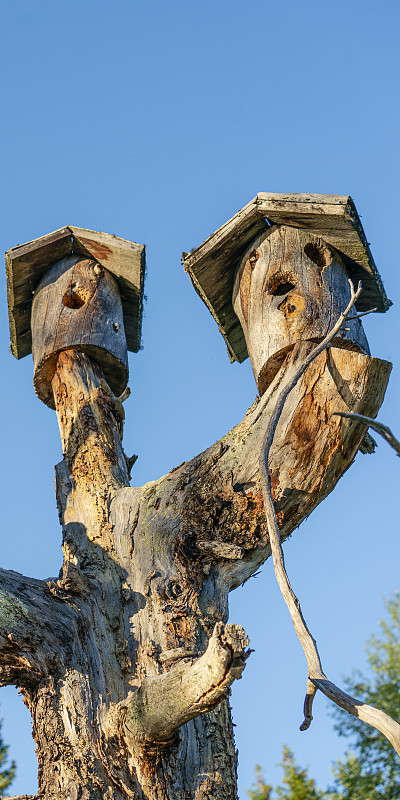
x=212 y=265
x=27 y=263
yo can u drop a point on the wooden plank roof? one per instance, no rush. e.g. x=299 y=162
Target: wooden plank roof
x=212 y=265
x=27 y=263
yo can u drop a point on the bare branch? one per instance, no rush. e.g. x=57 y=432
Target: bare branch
x=165 y=702
x=316 y=676
x=376 y=426
x=362 y=314
x=372 y=716
x=33 y=624
x=22 y=797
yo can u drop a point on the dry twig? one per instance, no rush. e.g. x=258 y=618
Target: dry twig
x=376 y=426
x=316 y=677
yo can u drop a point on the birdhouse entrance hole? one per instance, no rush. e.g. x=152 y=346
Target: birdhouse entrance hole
x=280 y=285
x=76 y=296
x=319 y=255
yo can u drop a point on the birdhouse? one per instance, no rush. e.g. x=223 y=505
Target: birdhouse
x=76 y=289
x=277 y=273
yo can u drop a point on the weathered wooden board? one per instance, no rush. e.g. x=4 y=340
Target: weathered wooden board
x=26 y=264
x=212 y=265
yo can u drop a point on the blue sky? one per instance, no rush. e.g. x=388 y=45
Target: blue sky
x=157 y=122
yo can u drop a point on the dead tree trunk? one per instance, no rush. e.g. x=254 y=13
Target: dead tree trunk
x=125 y=661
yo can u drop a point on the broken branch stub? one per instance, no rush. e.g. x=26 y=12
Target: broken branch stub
x=165 y=702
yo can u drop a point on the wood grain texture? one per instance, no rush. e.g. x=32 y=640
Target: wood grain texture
x=33 y=630
x=164 y=703
x=290 y=287
x=126 y=261
x=27 y=264
x=146 y=577
x=77 y=305
x=212 y=265
x=335 y=219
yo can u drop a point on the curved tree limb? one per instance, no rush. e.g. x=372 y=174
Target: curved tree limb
x=317 y=679
x=22 y=797
x=165 y=702
x=33 y=626
x=376 y=426
x=216 y=496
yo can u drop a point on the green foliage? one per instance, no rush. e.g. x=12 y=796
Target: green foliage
x=260 y=790
x=296 y=783
x=371 y=768
x=7 y=773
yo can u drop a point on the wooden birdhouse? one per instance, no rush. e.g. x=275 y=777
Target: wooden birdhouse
x=76 y=289
x=277 y=273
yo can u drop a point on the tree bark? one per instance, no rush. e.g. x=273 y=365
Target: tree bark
x=125 y=660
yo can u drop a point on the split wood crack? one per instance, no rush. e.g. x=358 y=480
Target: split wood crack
x=316 y=677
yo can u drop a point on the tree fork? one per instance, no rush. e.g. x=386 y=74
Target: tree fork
x=145 y=624
x=127 y=682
